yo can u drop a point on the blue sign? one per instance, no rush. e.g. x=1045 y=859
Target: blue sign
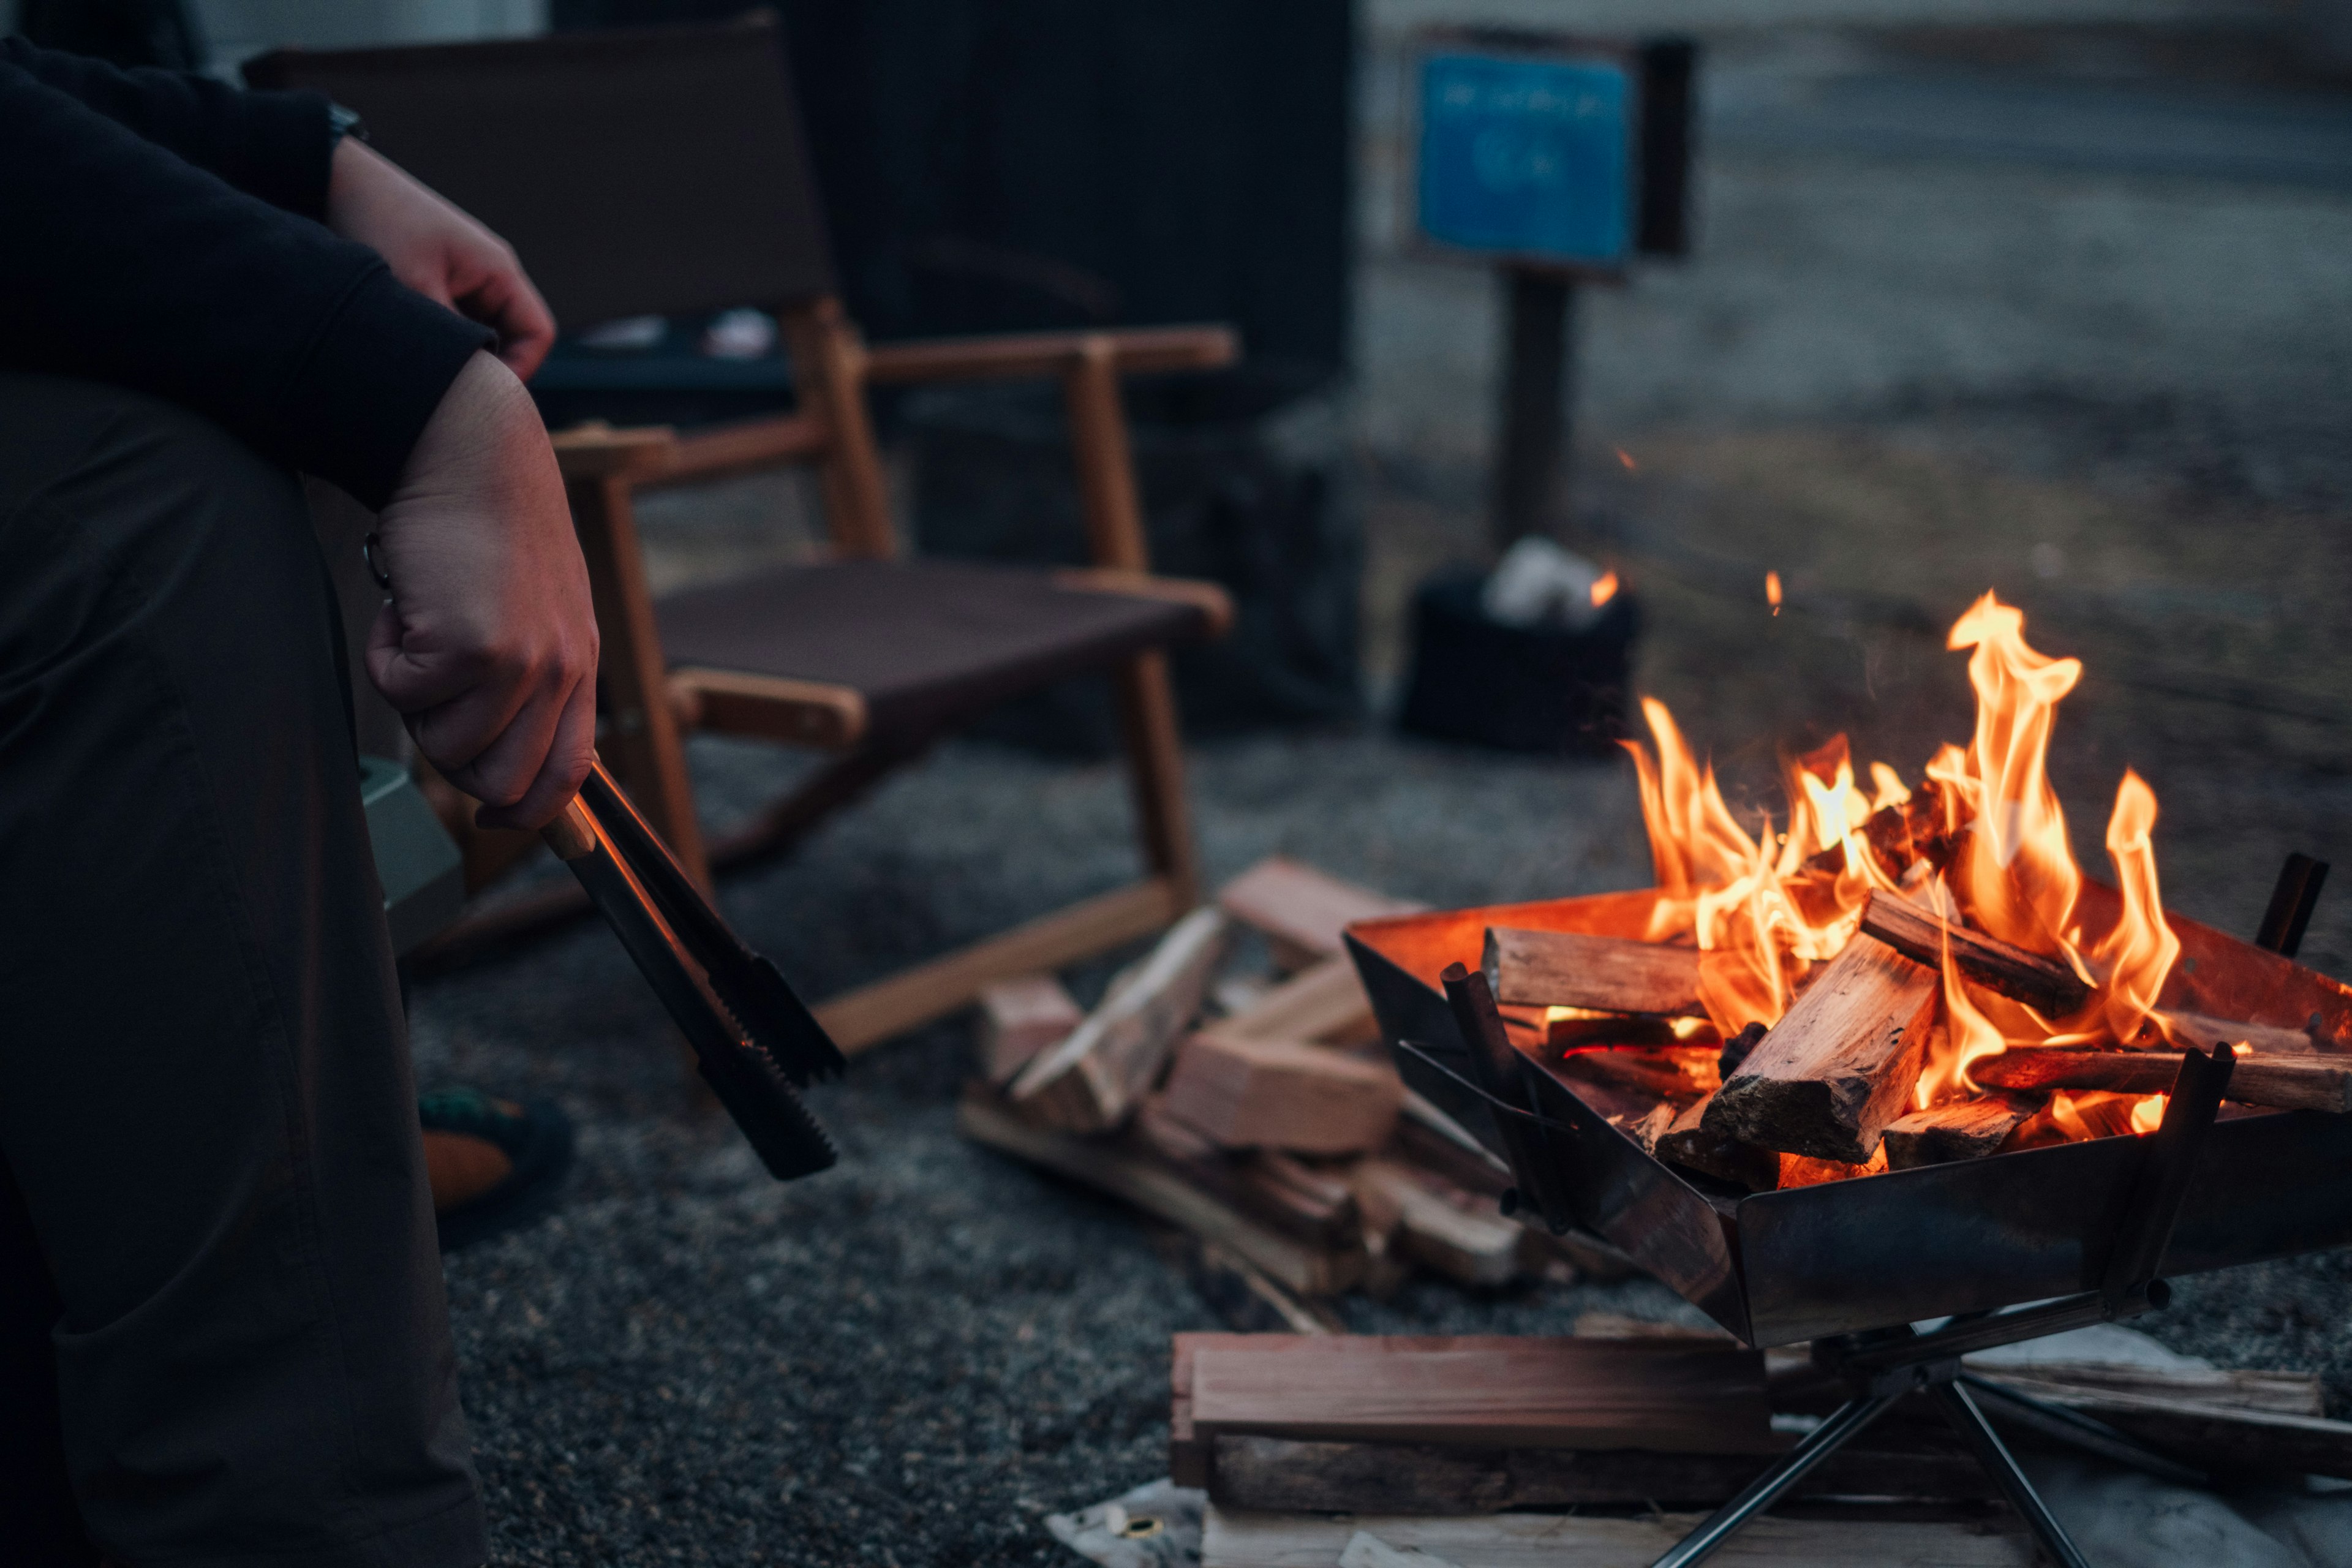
x=1526 y=157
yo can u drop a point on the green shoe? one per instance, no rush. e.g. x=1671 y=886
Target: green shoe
x=495 y=1166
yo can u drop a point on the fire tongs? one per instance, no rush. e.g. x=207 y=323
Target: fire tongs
x=1885 y=1365
x=752 y=1039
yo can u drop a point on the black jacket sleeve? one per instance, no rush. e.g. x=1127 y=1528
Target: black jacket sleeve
x=274 y=145
x=124 y=261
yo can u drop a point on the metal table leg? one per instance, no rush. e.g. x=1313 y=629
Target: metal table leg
x=1769 y=1488
x=1994 y=1455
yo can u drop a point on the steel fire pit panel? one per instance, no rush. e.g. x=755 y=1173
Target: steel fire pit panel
x=1782 y=1266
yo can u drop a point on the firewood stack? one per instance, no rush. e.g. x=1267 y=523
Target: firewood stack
x=1258 y=1112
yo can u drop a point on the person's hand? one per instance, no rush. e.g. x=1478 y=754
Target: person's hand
x=487 y=646
x=438 y=251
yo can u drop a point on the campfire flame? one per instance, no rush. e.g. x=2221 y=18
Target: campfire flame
x=1986 y=847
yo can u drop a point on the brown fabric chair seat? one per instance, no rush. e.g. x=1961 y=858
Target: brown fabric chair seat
x=922 y=640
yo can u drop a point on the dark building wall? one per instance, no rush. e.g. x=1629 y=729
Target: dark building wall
x=1001 y=163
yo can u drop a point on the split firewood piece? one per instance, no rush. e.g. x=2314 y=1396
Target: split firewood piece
x=1240 y=1294
x=1019 y=1019
x=2278 y=1393
x=2262 y=1039
x=1677 y=1073
x=2216 y=1437
x=1668 y=1394
x=1091 y=1080
x=1604 y=973
x=1452 y=1233
x=1323 y=1002
x=1687 y=1142
x=2044 y=984
x=1840 y=1064
x=1963 y=1129
x=1646 y=1130
x=1283 y=1475
x=2279 y=1083
x=1280 y=1094
x=1302 y=911
x=1130 y=1170
x=1292 y=1197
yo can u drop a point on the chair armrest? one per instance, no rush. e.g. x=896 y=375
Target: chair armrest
x=1029 y=356
x=1215 y=605
x=595 y=450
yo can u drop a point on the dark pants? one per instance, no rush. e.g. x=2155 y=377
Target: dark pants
x=221 y=1310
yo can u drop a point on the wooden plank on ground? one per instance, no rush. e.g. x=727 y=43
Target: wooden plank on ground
x=1283 y=1475
x=1302 y=911
x=1128 y=1171
x=1091 y=1080
x=1324 y=1002
x=1235 y=1539
x=1606 y=973
x=2279 y=1083
x=1019 y=1019
x=1279 y=1094
x=1670 y=1395
x=1840 y=1064
x=1917 y=933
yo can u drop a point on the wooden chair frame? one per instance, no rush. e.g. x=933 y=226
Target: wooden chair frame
x=650 y=708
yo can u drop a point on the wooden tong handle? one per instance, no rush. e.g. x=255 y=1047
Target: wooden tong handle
x=572 y=834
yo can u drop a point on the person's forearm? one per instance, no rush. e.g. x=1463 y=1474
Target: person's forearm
x=120 y=263
x=273 y=145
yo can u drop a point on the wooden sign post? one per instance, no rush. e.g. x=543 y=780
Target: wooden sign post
x=1555 y=160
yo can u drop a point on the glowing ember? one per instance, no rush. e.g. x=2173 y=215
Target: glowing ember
x=1626 y=458
x=1604 y=588
x=1982 y=843
x=1772 y=591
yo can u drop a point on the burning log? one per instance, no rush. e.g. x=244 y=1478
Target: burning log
x=1669 y=1394
x=2280 y=1083
x=1964 y=1130
x=1687 y=1142
x=1091 y=1080
x=1839 y=1066
x=1605 y=973
x=1278 y=1094
x=1302 y=911
x=2041 y=983
x=1021 y=1018
x=2262 y=1039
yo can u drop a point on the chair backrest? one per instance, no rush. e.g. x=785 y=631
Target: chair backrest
x=655 y=171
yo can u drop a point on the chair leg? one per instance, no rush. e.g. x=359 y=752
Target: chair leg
x=642 y=747
x=1155 y=762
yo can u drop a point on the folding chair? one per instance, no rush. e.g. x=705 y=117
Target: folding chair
x=661 y=171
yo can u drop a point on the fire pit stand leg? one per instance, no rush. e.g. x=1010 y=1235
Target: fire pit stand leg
x=1767 y=1488
x=1995 y=1457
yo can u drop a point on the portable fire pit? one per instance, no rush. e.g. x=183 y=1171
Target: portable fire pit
x=2084 y=1227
